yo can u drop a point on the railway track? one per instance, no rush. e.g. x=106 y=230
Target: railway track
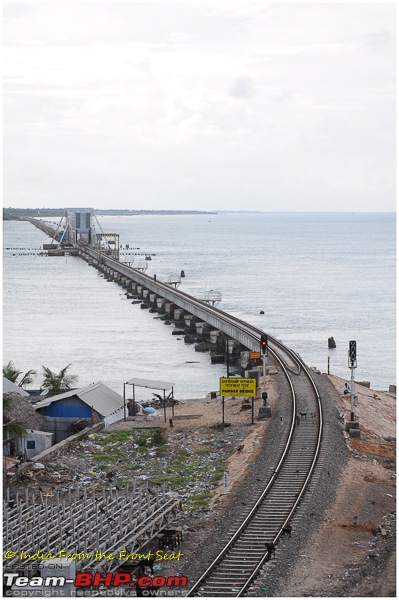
x=237 y=565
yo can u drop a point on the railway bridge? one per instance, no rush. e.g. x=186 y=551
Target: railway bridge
x=157 y=293
x=287 y=479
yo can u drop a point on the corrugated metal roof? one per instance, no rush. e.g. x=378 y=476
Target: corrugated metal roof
x=97 y=395
x=9 y=387
x=151 y=383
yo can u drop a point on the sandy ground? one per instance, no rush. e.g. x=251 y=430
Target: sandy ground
x=203 y=412
x=359 y=557
x=352 y=553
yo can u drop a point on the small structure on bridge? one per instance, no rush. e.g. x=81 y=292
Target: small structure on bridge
x=211 y=297
x=109 y=244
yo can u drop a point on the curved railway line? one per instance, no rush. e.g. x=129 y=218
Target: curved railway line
x=245 y=554
x=239 y=562
x=237 y=565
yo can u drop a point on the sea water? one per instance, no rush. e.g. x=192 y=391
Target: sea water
x=314 y=275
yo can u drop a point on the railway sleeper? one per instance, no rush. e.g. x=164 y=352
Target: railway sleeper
x=220 y=593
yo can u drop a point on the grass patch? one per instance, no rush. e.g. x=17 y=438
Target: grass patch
x=217 y=475
x=183 y=453
x=170 y=480
x=199 y=501
x=113 y=437
x=108 y=457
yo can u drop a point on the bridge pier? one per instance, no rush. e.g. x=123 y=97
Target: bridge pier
x=189 y=321
x=160 y=302
x=178 y=315
x=169 y=308
x=202 y=330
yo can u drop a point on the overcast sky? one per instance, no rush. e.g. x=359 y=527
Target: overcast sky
x=200 y=105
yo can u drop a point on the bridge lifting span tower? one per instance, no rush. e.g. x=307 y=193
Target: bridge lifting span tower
x=76 y=225
x=79 y=225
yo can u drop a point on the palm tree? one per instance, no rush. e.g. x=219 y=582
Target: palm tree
x=11 y=429
x=12 y=374
x=56 y=383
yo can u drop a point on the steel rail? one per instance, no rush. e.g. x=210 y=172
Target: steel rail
x=312 y=467
x=233 y=546
x=260 y=499
x=276 y=348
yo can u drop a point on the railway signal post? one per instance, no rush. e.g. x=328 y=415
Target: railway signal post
x=264 y=411
x=352 y=426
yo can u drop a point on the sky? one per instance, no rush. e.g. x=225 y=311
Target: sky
x=239 y=105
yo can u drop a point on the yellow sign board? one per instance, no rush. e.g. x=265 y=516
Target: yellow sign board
x=237 y=387
x=253 y=355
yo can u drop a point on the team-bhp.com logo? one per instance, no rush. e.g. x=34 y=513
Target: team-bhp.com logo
x=108 y=580
x=117 y=579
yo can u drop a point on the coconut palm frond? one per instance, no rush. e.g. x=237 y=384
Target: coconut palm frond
x=10 y=372
x=7 y=404
x=12 y=430
x=28 y=378
x=57 y=382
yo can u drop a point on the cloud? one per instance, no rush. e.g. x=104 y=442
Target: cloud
x=173 y=103
x=242 y=87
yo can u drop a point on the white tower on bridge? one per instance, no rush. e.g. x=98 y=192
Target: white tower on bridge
x=79 y=225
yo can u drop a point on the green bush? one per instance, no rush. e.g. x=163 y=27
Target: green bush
x=159 y=438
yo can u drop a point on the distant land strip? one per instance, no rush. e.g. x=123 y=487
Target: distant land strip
x=10 y=214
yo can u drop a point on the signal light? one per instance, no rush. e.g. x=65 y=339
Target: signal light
x=352 y=353
x=263 y=344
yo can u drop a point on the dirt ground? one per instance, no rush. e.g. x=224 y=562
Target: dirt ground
x=352 y=553
x=359 y=558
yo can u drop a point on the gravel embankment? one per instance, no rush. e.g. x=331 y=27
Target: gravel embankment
x=319 y=497
x=204 y=544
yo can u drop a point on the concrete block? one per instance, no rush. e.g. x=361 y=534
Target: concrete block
x=351 y=425
x=354 y=433
x=265 y=412
x=363 y=383
x=392 y=389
